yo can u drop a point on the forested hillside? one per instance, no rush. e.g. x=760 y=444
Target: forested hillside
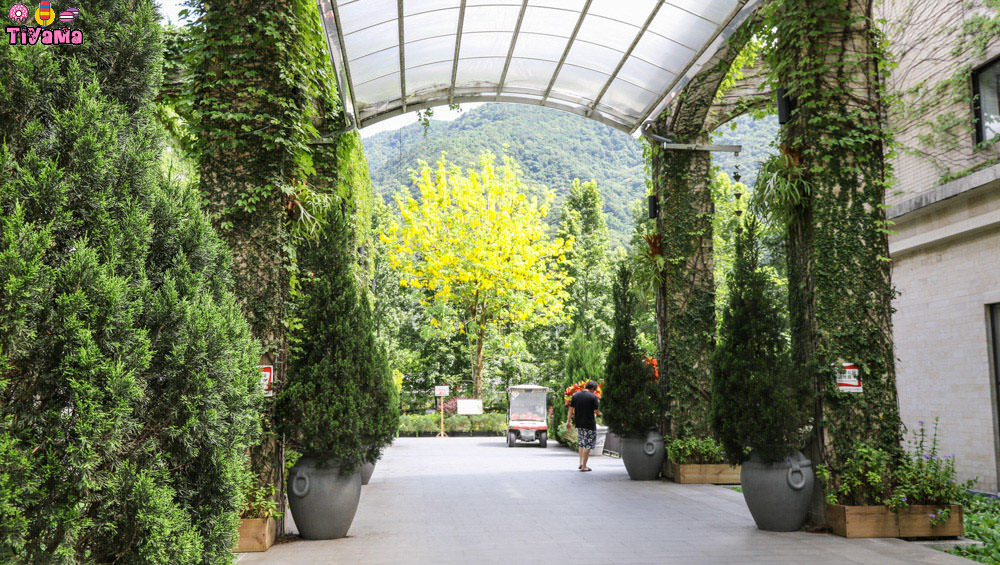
x=552 y=148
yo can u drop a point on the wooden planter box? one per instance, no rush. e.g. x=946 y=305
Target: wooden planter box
x=880 y=522
x=256 y=534
x=708 y=474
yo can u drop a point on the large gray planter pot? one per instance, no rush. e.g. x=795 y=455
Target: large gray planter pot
x=323 y=502
x=643 y=457
x=778 y=494
x=366 y=471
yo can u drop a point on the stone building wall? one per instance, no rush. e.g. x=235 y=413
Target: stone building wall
x=946 y=246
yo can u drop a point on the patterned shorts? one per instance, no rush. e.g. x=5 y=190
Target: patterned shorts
x=586 y=438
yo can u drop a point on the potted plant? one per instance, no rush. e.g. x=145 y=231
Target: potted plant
x=757 y=413
x=694 y=460
x=876 y=493
x=257 y=520
x=631 y=396
x=338 y=405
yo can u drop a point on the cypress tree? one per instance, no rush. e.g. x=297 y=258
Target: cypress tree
x=339 y=400
x=631 y=397
x=753 y=400
x=583 y=363
x=126 y=372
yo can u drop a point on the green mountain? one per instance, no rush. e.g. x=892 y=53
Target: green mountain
x=552 y=148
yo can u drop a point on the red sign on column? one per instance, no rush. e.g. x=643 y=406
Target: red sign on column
x=848 y=379
x=267 y=379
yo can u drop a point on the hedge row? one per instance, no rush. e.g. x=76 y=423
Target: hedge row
x=429 y=424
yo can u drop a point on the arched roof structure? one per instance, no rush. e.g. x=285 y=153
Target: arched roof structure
x=616 y=61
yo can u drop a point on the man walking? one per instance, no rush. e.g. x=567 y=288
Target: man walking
x=582 y=407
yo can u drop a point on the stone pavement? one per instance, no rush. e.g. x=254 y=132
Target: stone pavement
x=474 y=500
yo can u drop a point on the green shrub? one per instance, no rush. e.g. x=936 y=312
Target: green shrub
x=583 y=363
x=123 y=437
x=457 y=424
x=982 y=523
x=696 y=451
x=873 y=476
x=426 y=424
x=756 y=406
x=338 y=401
x=631 y=399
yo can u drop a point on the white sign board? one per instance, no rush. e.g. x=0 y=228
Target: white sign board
x=267 y=379
x=469 y=406
x=848 y=379
x=441 y=391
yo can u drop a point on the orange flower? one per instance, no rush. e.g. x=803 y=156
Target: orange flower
x=654 y=363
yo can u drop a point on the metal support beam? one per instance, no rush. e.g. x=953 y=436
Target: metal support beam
x=698 y=147
x=569 y=45
x=458 y=49
x=402 y=56
x=510 y=50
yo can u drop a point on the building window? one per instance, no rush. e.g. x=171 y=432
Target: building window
x=986 y=87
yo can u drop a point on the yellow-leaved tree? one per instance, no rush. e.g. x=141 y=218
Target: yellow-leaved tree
x=475 y=242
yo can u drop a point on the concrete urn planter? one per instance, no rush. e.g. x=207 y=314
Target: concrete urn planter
x=323 y=502
x=643 y=457
x=366 y=471
x=778 y=494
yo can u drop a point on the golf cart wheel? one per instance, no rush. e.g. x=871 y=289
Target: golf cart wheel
x=543 y=439
x=511 y=439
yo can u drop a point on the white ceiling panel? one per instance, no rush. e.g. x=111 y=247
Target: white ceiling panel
x=617 y=61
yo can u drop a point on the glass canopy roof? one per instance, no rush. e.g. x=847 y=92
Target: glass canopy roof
x=616 y=61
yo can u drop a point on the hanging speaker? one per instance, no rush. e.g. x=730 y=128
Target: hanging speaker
x=786 y=104
x=654 y=206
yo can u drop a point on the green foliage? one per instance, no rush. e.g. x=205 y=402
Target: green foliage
x=982 y=523
x=552 y=147
x=631 y=400
x=874 y=476
x=430 y=424
x=583 y=363
x=866 y=479
x=128 y=380
x=587 y=262
x=339 y=401
x=753 y=400
x=692 y=450
x=781 y=190
x=830 y=56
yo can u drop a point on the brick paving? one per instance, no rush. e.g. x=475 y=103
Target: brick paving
x=474 y=500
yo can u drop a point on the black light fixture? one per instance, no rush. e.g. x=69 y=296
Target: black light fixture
x=786 y=105
x=654 y=206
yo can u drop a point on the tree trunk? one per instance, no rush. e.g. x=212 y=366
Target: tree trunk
x=477 y=365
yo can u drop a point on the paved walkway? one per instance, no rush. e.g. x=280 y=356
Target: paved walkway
x=474 y=500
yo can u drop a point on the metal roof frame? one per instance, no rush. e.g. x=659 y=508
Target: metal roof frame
x=654 y=97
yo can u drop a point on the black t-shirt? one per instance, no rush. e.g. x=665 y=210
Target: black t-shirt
x=584 y=404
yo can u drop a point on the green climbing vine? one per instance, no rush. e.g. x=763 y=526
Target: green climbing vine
x=259 y=96
x=830 y=55
x=931 y=110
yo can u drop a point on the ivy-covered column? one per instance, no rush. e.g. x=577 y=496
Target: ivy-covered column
x=828 y=55
x=253 y=128
x=685 y=302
